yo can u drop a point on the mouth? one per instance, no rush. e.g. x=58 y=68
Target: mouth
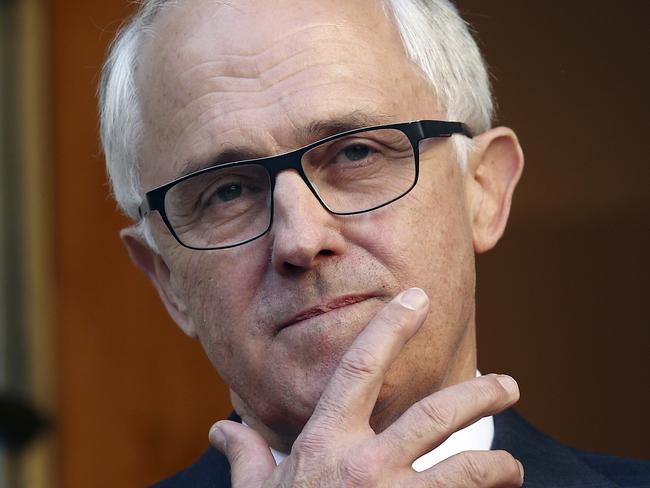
x=340 y=302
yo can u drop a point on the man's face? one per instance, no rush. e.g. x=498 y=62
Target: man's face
x=265 y=78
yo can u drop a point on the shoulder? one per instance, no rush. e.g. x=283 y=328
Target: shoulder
x=548 y=463
x=627 y=473
x=210 y=470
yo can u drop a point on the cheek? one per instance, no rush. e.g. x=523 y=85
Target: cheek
x=423 y=235
x=425 y=240
x=219 y=289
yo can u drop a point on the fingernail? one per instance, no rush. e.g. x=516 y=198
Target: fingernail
x=217 y=438
x=508 y=383
x=521 y=469
x=413 y=299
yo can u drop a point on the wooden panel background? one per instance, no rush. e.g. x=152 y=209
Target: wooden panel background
x=562 y=300
x=136 y=397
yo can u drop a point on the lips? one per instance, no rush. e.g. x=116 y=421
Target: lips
x=339 y=302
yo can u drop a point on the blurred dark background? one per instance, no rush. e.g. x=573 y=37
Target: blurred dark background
x=562 y=300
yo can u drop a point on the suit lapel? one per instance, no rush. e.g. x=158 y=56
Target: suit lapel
x=547 y=463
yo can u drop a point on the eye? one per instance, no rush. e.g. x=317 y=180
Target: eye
x=356 y=152
x=228 y=192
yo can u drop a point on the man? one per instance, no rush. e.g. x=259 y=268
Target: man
x=310 y=182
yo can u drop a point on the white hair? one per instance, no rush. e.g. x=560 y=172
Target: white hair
x=435 y=38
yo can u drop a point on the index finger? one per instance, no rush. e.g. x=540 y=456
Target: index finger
x=352 y=391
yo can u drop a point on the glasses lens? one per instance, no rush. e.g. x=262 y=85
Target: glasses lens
x=220 y=207
x=361 y=171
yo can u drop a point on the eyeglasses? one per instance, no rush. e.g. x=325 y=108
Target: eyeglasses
x=360 y=170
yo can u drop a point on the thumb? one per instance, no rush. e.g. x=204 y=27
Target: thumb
x=251 y=461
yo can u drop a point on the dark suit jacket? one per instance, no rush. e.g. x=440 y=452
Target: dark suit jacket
x=546 y=462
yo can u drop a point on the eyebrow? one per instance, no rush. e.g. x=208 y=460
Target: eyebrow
x=307 y=134
x=319 y=129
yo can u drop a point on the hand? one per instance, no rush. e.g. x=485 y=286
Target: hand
x=337 y=447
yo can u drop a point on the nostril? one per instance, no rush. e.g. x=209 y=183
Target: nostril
x=296 y=267
x=292 y=268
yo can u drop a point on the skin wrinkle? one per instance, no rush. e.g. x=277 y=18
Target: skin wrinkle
x=253 y=102
x=254 y=59
x=251 y=105
x=226 y=60
x=235 y=80
x=234 y=298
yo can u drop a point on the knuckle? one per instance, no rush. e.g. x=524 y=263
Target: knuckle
x=327 y=414
x=480 y=467
x=474 y=468
x=360 y=363
x=309 y=443
x=491 y=390
x=359 y=470
x=441 y=415
x=507 y=462
x=497 y=390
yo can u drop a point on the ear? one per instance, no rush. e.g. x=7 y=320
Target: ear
x=494 y=168
x=153 y=265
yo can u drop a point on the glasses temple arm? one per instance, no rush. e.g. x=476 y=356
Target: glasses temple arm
x=144 y=208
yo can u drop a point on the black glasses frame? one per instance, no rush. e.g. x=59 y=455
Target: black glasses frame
x=416 y=131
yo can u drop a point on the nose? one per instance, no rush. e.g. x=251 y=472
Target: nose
x=304 y=232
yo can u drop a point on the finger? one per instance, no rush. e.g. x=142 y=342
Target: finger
x=473 y=469
x=427 y=423
x=251 y=461
x=353 y=389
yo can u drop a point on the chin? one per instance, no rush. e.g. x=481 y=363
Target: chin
x=288 y=420
x=284 y=404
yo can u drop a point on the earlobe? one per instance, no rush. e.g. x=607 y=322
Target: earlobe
x=494 y=170
x=155 y=268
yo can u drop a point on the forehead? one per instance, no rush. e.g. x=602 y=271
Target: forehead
x=254 y=73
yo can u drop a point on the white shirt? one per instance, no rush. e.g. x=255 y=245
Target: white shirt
x=475 y=437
